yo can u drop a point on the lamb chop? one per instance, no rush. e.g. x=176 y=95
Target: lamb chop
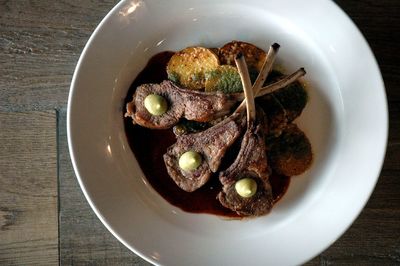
x=246 y=188
x=210 y=145
x=189 y=104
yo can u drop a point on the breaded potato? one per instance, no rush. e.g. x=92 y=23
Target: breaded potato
x=188 y=67
x=290 y=154
x=294 y=99
x=284 y=105
x=224 y=78
x=254 y=56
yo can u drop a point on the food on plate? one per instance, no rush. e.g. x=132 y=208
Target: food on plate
x=224 y=78
x=192 y=105
x=215 y=129
x=250 y=163
x=211 y=144
x=246 y=187
x=155 y=104
x=253 y=55
x=190 y=161
x=284 y=105
x=290 y=153
x=293 y=97
x=182 y=103
x=189 y=66
x=190 y=126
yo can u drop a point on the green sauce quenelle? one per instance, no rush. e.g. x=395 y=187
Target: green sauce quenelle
x=155 y=104
x=190 y=161
x=246 y=187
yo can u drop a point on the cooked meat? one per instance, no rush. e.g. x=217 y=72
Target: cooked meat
x=251 y=161
x=211 y=144
x=290 y=154
x=208 y=134
x=189 y=104
x=192 y=105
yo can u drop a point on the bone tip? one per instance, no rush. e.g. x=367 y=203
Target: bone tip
x=239 y=55
x=275 y=46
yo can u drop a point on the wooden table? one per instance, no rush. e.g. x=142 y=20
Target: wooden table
x=44 y=217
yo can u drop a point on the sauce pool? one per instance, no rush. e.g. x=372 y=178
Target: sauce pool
x=149 y=146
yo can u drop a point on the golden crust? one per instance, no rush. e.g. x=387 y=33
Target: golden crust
x=188 y=66
x=254 y=56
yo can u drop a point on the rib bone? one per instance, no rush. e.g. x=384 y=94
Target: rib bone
x=251 y=161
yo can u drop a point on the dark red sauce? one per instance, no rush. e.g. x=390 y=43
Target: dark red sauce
x=150 y=145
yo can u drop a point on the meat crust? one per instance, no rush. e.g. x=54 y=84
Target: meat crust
x=211 y=144
x=250 y=162
x=192 y=105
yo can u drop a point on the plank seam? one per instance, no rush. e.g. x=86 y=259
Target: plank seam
x=58 y=183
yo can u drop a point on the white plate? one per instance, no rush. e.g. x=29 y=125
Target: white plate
x=346 y=121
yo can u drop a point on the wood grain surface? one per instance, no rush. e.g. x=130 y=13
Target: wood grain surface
x=28 y=189
x=83 y=238
x=40 y=43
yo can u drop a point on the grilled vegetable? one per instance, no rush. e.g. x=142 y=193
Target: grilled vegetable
x=188 y=67
x=290 y=154
x=293 y=98
x=254 y=56
x=224 y=78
